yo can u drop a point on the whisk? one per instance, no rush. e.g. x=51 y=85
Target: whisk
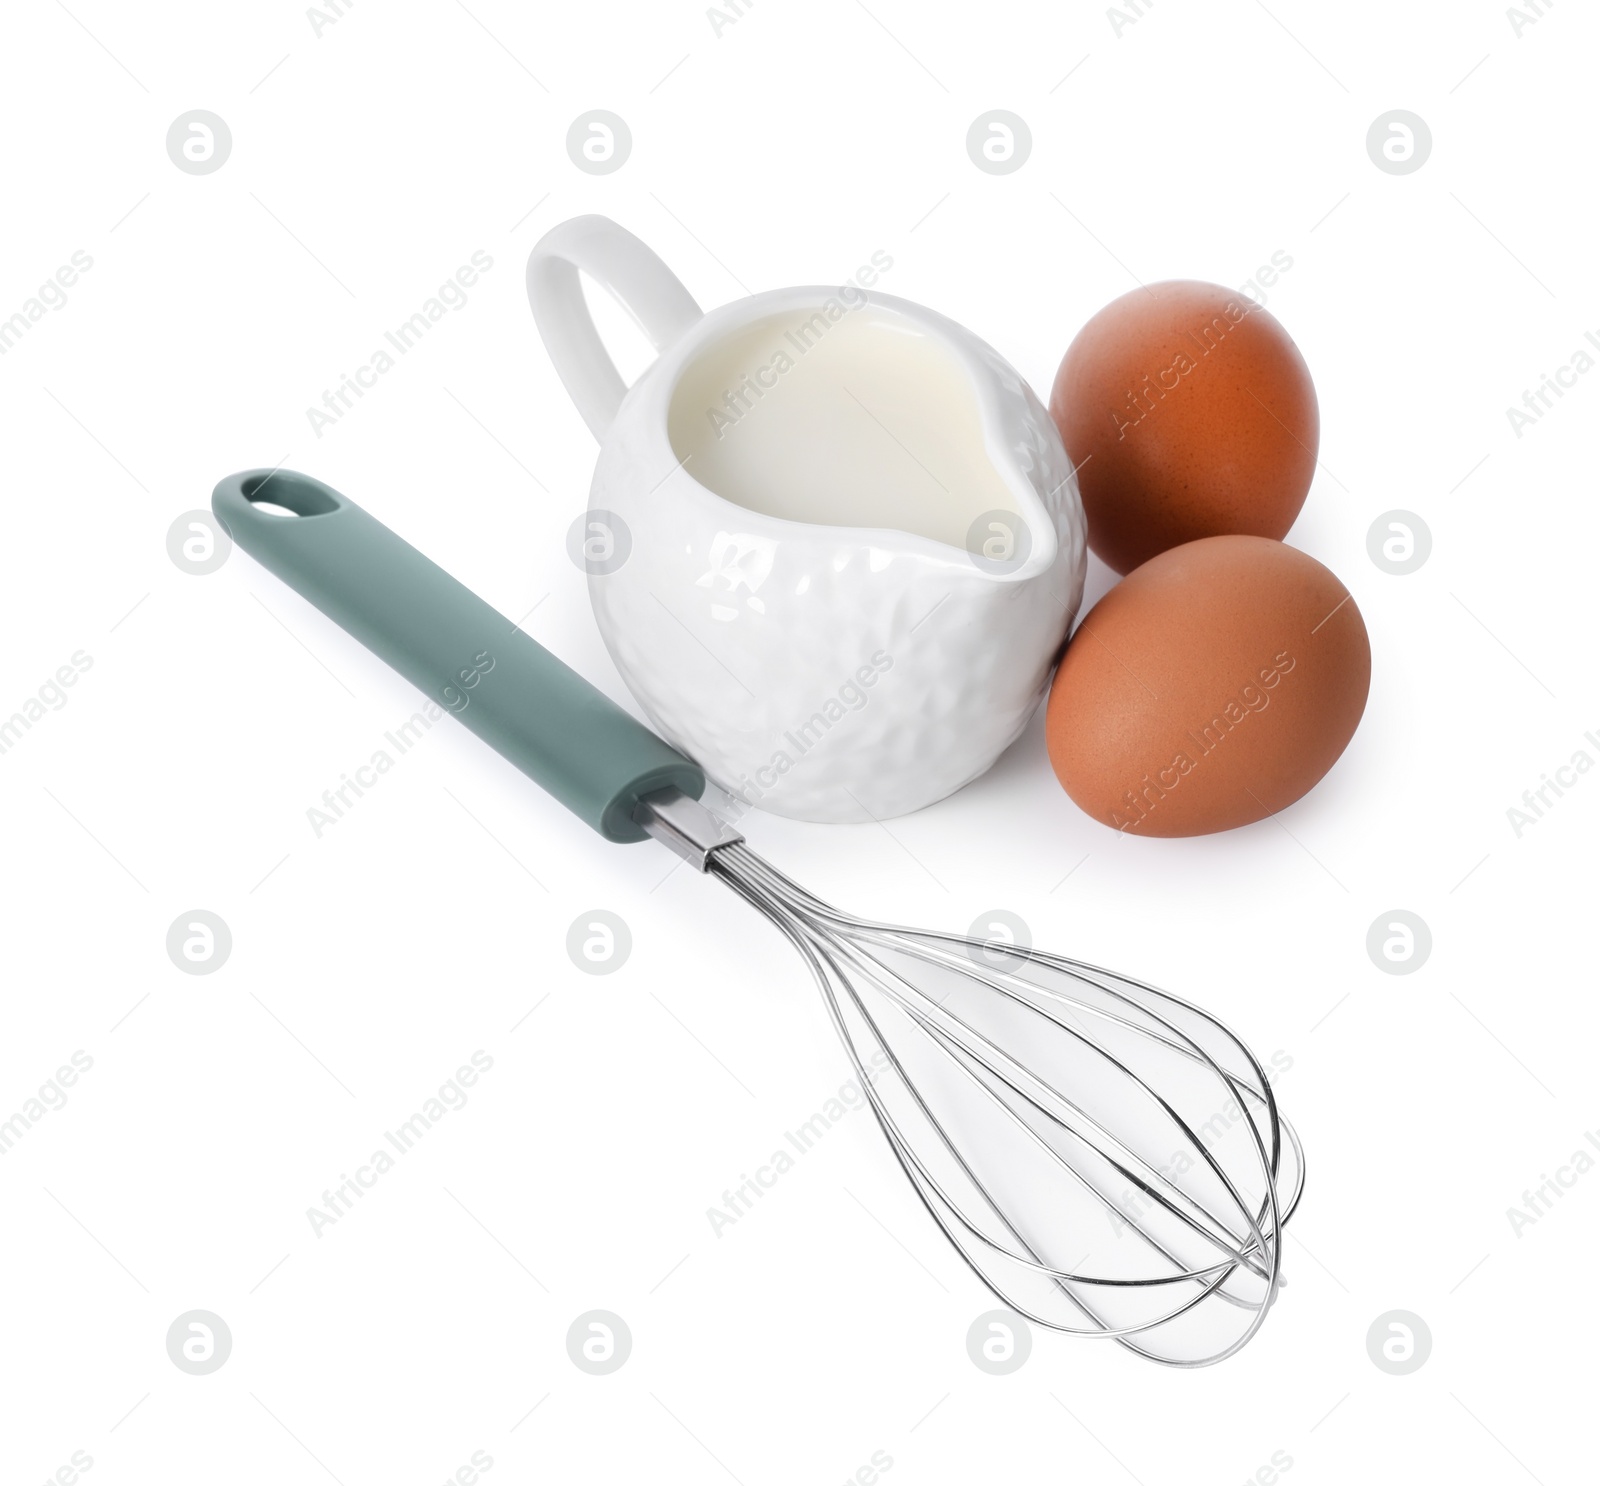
x=1107 y=1158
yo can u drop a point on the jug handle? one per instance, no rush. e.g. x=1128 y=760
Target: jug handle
x=633 y=275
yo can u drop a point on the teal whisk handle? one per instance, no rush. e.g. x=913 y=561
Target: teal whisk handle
x=466 y=656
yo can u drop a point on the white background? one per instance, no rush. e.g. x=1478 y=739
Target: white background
x=367 y=165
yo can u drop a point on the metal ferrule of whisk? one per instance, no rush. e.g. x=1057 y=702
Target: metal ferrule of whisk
x=1107 y=1158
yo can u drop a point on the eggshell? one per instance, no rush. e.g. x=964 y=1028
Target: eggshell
x=1191 y=414
x=1212 y=687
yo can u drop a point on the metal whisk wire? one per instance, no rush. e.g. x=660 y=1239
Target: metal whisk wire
x=1006 y=1238
x=1027 y=1097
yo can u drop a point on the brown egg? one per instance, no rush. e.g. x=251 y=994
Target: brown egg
x=1191 y=414
x=1210 y=688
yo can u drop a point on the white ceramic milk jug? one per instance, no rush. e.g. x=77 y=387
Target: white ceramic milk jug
x=834 y=540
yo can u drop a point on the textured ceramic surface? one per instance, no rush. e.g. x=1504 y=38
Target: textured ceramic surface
x=833 y=673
